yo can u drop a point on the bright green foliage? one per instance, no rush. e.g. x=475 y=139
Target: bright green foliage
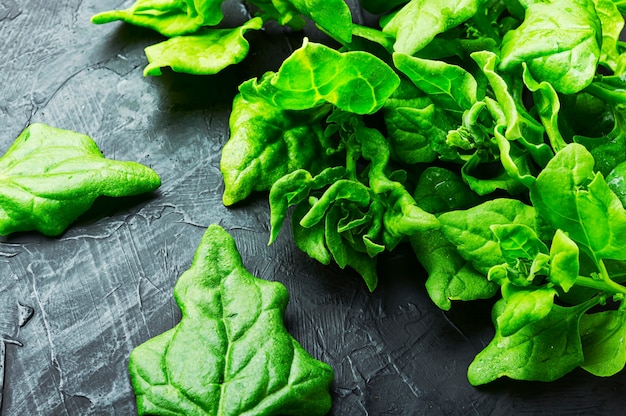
x=168 y=17
x=50 y=176
x=316 y=74
x=489 y=135
x=267 y=143
x=604 y=335
x=560 y=40
x=203 y=53
x=543 y=350
x=230 y=354
x=419 y=21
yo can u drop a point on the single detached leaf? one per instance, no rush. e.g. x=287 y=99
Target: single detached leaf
x=560 y=42
x=50 y=176
x=315 y=74
x=543 y=350
x=603 y=336
x=168 y=17
x=205 y=52
x=570 y=197
x=230 y=354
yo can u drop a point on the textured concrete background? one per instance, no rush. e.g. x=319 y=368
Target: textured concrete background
x=105 y=285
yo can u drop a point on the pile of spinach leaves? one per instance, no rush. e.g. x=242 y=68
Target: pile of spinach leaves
x=489 y=134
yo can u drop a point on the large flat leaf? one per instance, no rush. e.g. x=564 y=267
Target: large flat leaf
x=230 y=354
x=50 y=176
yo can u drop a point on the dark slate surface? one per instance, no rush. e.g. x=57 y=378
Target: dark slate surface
x=105 y=285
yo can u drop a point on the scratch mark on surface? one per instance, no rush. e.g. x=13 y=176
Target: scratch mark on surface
x=48 y=332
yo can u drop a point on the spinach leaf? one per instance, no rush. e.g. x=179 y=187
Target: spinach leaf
x=603 y=335
x=571 y=197
x=470 y=229
x=316 y=74
x=205 y=52
x=450 y=87
x=50 y=176
x=168 y=17
x=230 y=354
x=559 y=40
x=542 y=350
x=418 y=22
x=267 y=143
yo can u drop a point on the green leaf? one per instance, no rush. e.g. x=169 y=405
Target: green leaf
x=294 y=188
x=570 y=197
x=418 y=22
x=449 y=86
x=603 y=337
x=168 y=17
x=564 y=261
x=440 y=190
x=265 y=144
x=450 y=277
x=50 y=176
x=332 y=16
x=523 y=306
x=547 y=104
x=357 y=81
x=380 y=6
x=205 y=52
x=543 y=350
x=230 y=354
x=559 y=41
x=470 y=230
x=518 y=241
x=612 y=23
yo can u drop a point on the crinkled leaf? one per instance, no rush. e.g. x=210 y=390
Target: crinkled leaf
x=168 y=17
x=294 y=188
x=341 y=190
x=603 y=337
x=205 y=52
x=50 y=176
x=560 y=42
x=547 y=104
x=265 y=144
x=419 y=21
x=517 y=122
x=357 y=81
x=230 y=354
x=571 y=197
x=470 y=230
x=544 y=350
